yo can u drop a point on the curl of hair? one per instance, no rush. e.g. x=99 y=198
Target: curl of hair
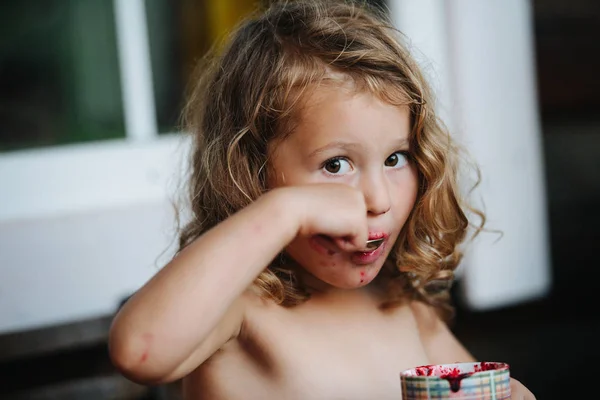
x=249 y=95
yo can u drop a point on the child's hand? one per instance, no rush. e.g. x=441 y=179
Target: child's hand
x=519 y=392
x=333 y=210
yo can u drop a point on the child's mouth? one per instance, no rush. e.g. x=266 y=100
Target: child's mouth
x=373 y=244
x=373 y=248
x=370 y=256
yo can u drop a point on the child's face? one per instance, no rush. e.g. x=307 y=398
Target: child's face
x=362 y=142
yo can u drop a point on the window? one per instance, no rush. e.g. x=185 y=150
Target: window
x=90 y=93
x=75 y=71
x=59 y=80
x=90 y=96
x=180 y=32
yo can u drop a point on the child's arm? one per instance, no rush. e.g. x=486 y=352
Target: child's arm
x=195 y=304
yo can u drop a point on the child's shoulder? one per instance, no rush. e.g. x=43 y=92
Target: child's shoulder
x=426 y=317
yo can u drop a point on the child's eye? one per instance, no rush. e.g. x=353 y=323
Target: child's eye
x=399 y=159
x=337 y=166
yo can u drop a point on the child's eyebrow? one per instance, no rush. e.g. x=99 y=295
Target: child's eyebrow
x=348 y=146
x=402 y=142
x=337 y=144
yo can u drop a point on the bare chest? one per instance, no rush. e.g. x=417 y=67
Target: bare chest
x=349 y=358
x=322 y=356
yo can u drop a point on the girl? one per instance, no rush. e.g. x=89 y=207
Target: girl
x=325 y=221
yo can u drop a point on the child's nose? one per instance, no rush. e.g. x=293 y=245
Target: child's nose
x=377 y=195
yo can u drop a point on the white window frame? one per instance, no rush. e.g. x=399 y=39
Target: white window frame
x=87 y=176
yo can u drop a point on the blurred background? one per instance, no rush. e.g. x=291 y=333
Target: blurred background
x=90 y=154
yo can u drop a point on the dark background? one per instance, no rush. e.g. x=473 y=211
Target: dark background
x=552 y=344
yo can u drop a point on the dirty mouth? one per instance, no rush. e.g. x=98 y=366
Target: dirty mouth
x=374 y=244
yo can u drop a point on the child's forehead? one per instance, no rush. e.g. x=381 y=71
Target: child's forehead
x=303 y=96
x=347 y=114
x=342 y=93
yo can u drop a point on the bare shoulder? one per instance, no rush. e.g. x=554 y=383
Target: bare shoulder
x=249 y=306
x=229 y=329
x=438 y=340
x=245 y=357
x=261 y=316
x=427 y=319
x=249 y=310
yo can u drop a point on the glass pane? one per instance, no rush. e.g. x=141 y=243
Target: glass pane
x=180 y=33
x=59 y=73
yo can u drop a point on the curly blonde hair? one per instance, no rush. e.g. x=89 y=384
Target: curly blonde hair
x=248 y=95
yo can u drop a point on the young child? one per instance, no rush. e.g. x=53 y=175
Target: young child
x=314 y=133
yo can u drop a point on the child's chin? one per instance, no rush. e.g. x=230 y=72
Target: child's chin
x=355 y=281
x=350 y=286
